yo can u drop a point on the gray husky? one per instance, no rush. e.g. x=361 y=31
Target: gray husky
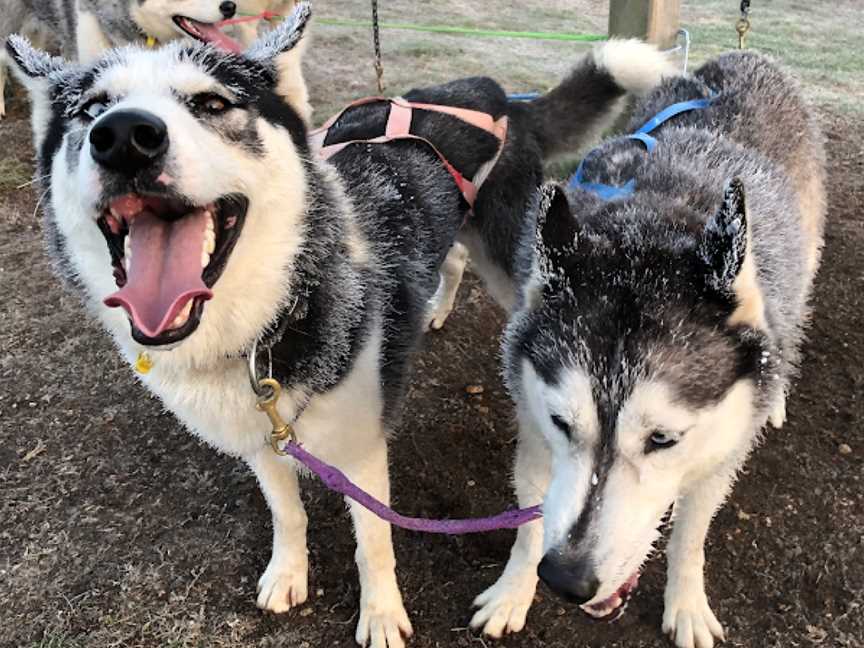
x=654 y=338
x=83 y=29
x=180 y=188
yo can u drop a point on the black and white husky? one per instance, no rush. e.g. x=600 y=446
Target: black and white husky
x=84 y=29
x=180 y=185
x=655 y=336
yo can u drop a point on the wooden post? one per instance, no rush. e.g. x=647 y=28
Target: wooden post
x=653 y=20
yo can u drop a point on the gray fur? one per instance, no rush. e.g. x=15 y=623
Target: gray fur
x=679 y=188
x=681 y=309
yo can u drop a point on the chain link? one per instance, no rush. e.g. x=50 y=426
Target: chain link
x=743 y=24
x=376 y=39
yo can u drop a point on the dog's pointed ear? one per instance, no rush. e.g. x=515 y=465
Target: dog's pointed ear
x=282 y=49
x=41 y=74
x=33 y=67
x=727 y=253
x=558 y=233
x=557 y=237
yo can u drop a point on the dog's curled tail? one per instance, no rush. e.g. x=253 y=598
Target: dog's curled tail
x=588 y=100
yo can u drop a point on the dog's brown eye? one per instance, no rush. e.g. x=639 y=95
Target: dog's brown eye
x=211 y=104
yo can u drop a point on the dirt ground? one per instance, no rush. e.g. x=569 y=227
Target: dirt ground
x=117 y=528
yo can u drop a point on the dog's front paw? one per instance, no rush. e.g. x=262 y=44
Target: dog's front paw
x=383 y=623
x=689 y=621
x=438 y=309
x=778 y=413
x=504 y=606
x=283 y=585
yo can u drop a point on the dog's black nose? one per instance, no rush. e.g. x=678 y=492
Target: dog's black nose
x=570 y=578
x=128 y=140
x=228 y=9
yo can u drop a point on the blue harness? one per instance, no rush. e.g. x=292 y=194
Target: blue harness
x=610 y=192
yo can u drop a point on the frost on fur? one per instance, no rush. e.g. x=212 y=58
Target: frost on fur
x=636 y=66
x=31 y=63
x=724 y=243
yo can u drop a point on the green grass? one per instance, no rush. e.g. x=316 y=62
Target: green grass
x=819 y=42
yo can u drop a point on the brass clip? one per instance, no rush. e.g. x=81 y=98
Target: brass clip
x=742 y=27
x=271 y=390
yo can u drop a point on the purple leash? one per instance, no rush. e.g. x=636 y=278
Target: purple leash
x=336 y=480
x=284 y=443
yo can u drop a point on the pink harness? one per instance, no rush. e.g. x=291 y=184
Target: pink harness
x=399 y=128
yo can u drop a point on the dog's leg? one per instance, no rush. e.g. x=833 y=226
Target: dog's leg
x=687 y=617
x=284 y=583
x=383 y=620
x=451 y=276
x=504 y=606
x=777 y=418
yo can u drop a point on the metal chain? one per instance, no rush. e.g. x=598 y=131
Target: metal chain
x=743 y=24
x=376 y=39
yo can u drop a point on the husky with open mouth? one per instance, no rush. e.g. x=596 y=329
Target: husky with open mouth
x=656 y=335
x=184 y=203
x=84 y=29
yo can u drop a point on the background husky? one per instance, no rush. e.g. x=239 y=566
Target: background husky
x=183 y=176
x=655 y=336
x=84 y=29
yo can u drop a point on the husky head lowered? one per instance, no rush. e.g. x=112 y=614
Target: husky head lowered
x=638 y=356
x=150 y=160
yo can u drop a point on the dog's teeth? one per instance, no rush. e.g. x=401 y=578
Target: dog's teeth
x=182 y=316
x=205 y=259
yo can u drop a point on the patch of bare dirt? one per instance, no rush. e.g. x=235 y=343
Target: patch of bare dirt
x=117 y=528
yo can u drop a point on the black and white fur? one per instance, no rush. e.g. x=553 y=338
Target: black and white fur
x=84 y=29
x=655 y=337
x=333 y=267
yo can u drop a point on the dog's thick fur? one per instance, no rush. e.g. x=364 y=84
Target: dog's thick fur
x=334 y=264
x=84 y=29
x=655 y=336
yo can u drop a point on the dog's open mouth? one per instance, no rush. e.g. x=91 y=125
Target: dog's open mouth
x=207 y=33
x=166 y=256
x=613 y=607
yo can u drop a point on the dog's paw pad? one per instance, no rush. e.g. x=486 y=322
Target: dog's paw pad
x=503 y=607
x=281 y=588
x=691 y=623
x=381 y=627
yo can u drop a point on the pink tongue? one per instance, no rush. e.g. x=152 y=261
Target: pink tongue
x=165 y=270
x=212 y=34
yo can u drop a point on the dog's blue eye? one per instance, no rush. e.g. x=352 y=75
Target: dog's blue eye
x=659 y=440
x=561 y=424
x=93 y=108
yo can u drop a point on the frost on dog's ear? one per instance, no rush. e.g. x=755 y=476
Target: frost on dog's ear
x=555 y=223
x=41 y=74
x=557 y=235
x=282 y=49
x=727 y=253
x=33 y=67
